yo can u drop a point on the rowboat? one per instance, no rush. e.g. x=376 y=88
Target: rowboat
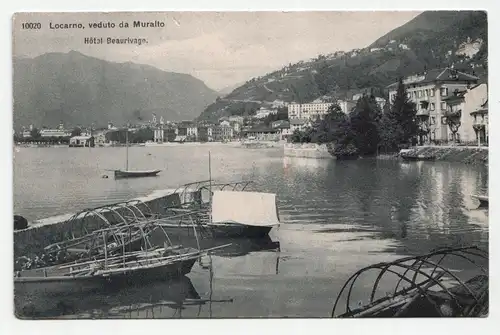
x=130 y=268
x=121 y=233
x=423 y=287
x=483 y=200
x=121 y=174
x=228 y=214
x=135 y=174
x=159 y=263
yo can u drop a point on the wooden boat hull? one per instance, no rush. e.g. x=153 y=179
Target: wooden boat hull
x=119 y=174
x=418 y=158
x=28 y=286
x=239 y=246
x=483 y=200
x=217 y=231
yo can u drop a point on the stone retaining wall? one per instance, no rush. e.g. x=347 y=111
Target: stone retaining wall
x=307 y=150
x=468 y=155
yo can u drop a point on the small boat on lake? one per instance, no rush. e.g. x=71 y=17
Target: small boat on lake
x=483 y=200
x=128 y=268
x=141 y=266
x=126 y=173
x=228 y=214
x=135 y=174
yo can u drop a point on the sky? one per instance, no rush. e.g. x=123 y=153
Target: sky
x=221 y=48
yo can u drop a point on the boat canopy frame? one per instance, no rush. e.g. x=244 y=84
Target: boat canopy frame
x=413 y=267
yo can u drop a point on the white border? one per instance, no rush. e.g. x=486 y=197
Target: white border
x=10 y=325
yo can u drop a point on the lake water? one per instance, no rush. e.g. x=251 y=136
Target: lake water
x=338 y=216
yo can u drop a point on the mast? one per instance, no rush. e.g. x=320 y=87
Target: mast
x=126 y=143
x=210 y=183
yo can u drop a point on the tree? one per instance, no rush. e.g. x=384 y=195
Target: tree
x=137 y=115
x=35 y=133
x=364 y=125
x=76 y=132
x=399 y=124
x=170 y=134
x=452 y=119
x=327 y=130
x=303 y=136
x=142 y=135
x=282 y=114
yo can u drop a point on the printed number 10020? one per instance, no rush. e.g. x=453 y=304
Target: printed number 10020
x=30 y=25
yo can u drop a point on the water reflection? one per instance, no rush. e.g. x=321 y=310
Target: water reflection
x=309 y=164
x=336 y=218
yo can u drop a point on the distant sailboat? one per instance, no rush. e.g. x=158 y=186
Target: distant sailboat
x=119 y=174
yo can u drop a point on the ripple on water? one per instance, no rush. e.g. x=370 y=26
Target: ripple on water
x=337 y=218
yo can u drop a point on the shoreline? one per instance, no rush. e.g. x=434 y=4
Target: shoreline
x=236 y=144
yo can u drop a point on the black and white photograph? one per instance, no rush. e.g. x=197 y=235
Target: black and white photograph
x=250 y=164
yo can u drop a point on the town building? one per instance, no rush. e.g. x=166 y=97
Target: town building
x=100 y=138
x=264 y=112
x=26 y=133
x=263 y=133
x=429 y=91
x=206 y=132
x=81 y=141
x=346 y=105
x=187 y=131
x=159 y=134
x=467 y=115
x=308 y=111
x=283 y=126
x=226 y=131
x=298 y=124
x=236 y=118
x=55 y=132
x=480 y=123
x=236 y=127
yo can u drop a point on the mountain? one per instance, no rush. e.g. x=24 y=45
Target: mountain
x=79 y=90
x=228 y=89
x=431 y=40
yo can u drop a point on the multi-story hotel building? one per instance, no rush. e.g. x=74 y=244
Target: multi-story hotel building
x=308 y=111
x=429 y=92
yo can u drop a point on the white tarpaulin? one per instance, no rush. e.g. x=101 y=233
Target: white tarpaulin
x=249 y=208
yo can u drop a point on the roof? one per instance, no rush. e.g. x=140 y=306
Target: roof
x=80 y=137
x=280 y=124
x=248 y=208
x=261 y=129
x=435 y=75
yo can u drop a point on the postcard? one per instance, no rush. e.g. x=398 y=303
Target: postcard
x=250 y=164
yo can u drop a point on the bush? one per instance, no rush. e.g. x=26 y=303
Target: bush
x=345 y=151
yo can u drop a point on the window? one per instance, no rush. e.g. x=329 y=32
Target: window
x=444 y=91
x=432 y=92
x=433 y=106
x=443 y=105
x=433 y=120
